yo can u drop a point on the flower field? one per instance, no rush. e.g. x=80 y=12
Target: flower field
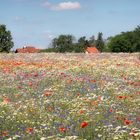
x=69 y=97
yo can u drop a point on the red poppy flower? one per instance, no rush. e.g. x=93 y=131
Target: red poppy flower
x=111 y=110
x=29 y=130
x=62 y=129
x=121 y=97
x=82 y=111
x=30 y=84
x=93 y=81
x=84 y=124
x=6 y=100
x=48 y=93
x=5 y=133
x=35 y=75
x=127 y=122
x=138 y=119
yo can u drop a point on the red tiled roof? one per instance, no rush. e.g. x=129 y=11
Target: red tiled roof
x=92 y=50
x=27 y=49
x=30 y=47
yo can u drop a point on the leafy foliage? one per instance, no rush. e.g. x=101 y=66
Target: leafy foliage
x=68 y=43
x=126 y=42
x=81 y=44
x=100 y=42
x=64 y=43
x=6 y=42
x=92 y=40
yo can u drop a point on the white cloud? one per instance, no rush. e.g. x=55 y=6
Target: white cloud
x=67 y=6
x=63 y=5
x=48 y=34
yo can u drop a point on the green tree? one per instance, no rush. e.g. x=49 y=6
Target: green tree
x=6 y=42
x=119 y=44
x=82 y=43
x=64 y=43
x=54 y=43
x=100 y=42
x=137 y=38
x=126 y=41
x=92 y=40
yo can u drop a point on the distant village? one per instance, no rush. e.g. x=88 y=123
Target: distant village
x=32 y=49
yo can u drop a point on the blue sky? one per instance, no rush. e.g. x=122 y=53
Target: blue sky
x=37 y=22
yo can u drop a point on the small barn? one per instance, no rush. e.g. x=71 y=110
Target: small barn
x=92 y=49
x=27 y=49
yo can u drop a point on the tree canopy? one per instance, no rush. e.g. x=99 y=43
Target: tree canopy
x=6 y=42
x=126 y=41
x=100 y=42
x=64 y=43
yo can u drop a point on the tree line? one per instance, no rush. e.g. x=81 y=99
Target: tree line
x=68 y=43
x=124 y=42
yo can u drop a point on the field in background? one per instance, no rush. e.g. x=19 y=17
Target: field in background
x=69 y=96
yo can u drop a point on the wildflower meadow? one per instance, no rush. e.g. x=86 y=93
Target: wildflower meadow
x=69 y=96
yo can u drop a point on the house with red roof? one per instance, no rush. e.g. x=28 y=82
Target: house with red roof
x=27 y=49
x=92 y=49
